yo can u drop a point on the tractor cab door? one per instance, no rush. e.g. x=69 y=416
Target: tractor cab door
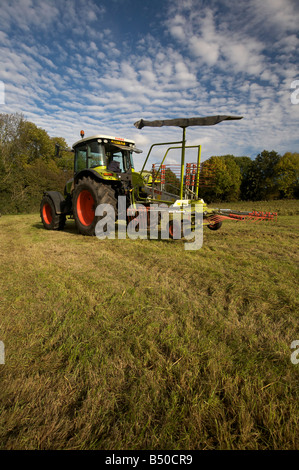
x=89 y=155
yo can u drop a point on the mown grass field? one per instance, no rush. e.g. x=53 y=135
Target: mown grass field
x=121 y=344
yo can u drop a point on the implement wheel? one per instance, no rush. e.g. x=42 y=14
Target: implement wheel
x=50 y=219
x=175 y=230
x=215 y=226
x=88 y=194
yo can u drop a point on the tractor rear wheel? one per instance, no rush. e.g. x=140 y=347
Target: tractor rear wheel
x=50 y=219
x=88 y=194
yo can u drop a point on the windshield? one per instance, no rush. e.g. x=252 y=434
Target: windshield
x=123 y=158
x=94 y=154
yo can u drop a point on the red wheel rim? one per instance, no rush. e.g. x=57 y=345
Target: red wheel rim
x=85 y=208
x=47 y=213
x=171 y=229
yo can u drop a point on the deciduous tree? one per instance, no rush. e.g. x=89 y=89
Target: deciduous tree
x=287 y=175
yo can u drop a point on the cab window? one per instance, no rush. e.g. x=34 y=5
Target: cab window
x=80 y=158
x=122 y=157
x=118 y=157
x=89 y=155
x=95 y=155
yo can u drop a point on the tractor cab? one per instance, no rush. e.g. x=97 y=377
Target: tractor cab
x=104 y=153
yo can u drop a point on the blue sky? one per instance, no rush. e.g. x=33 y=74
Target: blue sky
x=100 y=66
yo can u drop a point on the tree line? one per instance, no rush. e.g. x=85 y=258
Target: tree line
x=268 y=176
x=29 y=166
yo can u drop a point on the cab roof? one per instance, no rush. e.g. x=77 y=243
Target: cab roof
x=116 y=140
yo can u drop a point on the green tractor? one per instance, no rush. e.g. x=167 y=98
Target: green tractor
x=104 y=170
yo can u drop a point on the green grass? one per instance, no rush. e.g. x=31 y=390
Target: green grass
x=282 y=207
x=121 y=344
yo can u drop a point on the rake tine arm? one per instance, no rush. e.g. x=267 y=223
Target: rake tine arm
x=243 y=215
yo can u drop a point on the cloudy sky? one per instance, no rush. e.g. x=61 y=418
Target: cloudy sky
x=101 y=65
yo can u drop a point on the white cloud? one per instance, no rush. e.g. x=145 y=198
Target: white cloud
x=282 y=14
x=183 y=76
x=27 y=13
x=178 y=32
x=67 y=71
x=207 y=51
x=4 y=39
x=244 y=57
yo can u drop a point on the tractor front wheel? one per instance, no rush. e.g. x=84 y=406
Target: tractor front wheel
x=50 y=219
x=88 y=194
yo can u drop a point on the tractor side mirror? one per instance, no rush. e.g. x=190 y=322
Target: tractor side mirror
x=57 y=151
x=136 y=150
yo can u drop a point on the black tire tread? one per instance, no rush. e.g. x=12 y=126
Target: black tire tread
x=58 y=220
x=215 y=226
x=104 y=194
